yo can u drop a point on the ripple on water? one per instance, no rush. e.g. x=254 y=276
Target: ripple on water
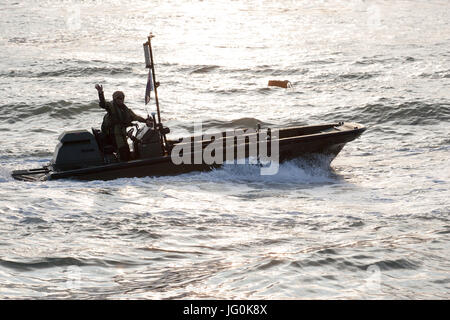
x=310 y=231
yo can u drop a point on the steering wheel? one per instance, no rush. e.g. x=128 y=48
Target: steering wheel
x=130 y=132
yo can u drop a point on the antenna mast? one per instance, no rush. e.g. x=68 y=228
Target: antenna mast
x=150 y=64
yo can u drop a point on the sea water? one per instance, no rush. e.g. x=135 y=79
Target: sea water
x=372 y=225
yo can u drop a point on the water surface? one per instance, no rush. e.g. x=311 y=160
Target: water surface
x=375 y=225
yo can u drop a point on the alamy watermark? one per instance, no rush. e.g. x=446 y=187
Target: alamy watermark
x=374 y=17
x=73 y=20
x=373 y=280
x=240 y=146
x=73 y=277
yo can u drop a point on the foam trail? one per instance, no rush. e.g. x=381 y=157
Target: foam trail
x=294 y=171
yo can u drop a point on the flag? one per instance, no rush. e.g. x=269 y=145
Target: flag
x=149 y=86
x=148 y=63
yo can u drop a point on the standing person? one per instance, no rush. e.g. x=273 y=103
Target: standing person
x=116 y=121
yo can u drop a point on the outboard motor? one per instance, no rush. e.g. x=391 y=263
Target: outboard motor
x=75 y=150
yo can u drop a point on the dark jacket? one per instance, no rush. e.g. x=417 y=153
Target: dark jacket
x=116 y=115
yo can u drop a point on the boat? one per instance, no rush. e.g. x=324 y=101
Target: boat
x=88 y=155
x=82 y=155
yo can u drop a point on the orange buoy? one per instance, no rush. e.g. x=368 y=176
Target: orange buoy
x=280 y=83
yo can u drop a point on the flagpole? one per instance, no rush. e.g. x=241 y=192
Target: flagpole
x=155 y=86
x=153 y=75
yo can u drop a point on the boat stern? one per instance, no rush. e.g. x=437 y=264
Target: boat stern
x=39 y=174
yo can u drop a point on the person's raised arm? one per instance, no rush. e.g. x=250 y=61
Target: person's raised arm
x=101 y=96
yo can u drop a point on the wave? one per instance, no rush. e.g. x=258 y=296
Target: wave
x=76 y=68
x=356 y=76
x=293 y=173
x=32 y=220
x=321 y=61
x=320 y=261
x=280 y=72
x=51 y=262
x=443 y=74
x=19 y=153
x=297 y=171
x=204 y=69
x=406 y=113
x=220 y=124
x=70 y=72
x=341 y=77
x=61 y=109
x=260 y=69
x=398 y=264
x=227 y=91
x=246 y=122
x=196 y=69
x=379 y=60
